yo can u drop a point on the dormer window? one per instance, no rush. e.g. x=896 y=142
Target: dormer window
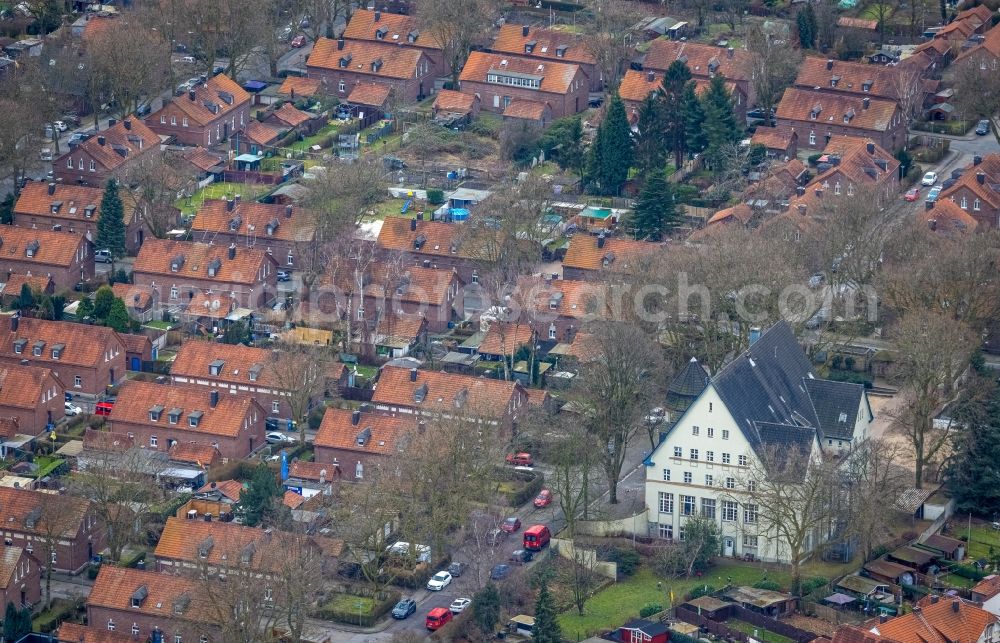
x=181 y=602
x=380 y=33
x=19 y=345
x=272 y=226
x=194 y=418
x=815 y=111
x=56 y=205
x=89 y=211
x=139 y=595
x=412 y=36
x=376 y=65
x=177 y=263
x=155 y=412
x=834 y=80
x=37 y=348
x=554 y=300
x=234 y=223
x=561 y=51
x=205 y=547
x=213 y=267
x=254 y=372
x=345 y=61
x=31 y=249
x=419 y=242
x=364 y=436
x=215 y=367
x=529 y=46
x=174 y=416
x=57 y=350
x=866 y=86
x=420 y=394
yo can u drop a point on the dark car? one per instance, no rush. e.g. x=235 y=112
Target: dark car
x=272 y=424
x=521 y=556
x=404 y=608
x=456 y=569
x=512 y=524
x=983 y=128
x=500 y=572
x=218 y=69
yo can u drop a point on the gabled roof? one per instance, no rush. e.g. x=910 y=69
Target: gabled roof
x=177 y=596
x=949 y=219
x=410 y=284
x=799 y=104
x=292 y=500
x=98 y=440
x=857 y=23
x=740 y=212
x=124 y=141
x=370 y=94
x=227 y=419
x=84 y=345
x=988 y=587
x=700 y=59
x=15 y=282
x=78 y=633
x=291 y=115
x=158 y=255
x=393 y=61
x=440 y=391
x=313 y=471
x=231 y=489
x=556 y=77
x=261 y=132
x=637 y=85
x=70 y=201
x=505 y=338
x=562 y=297
x=136 y=343
x=211 y=305
x=203 y=159
x=855 y=634
x=301 y=87
x=9 y=558
x=27 y=511
x=393 y=28
x=988 y=190
x=129 y=293
x=949 y=620
x=530 y=110
x=203 y=455
x=437 y=237
x=774 y=138
x=649 y=628
x=989 y=45
x=213 y=99
x=402 y=326
x=555 y=44
x=261 y=220
x=373 y=434
x=691 y=381
x=47 y=248
x=25 y=387
x=618 y=254
x=235 y=362
x=836 y=405
x=449 y=100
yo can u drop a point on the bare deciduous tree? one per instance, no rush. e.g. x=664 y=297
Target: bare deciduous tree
x=456 y=26
x=977 y=90
x=300 y=372
x=873 y=476
x=610 y=38
x=128 y=65
x=773 y=67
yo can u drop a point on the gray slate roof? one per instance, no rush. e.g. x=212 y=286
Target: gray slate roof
x=836 y=405
x=691 y=381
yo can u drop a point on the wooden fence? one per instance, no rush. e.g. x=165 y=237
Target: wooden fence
x=739 y=612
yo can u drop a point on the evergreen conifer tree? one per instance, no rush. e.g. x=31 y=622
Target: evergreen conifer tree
x=111 y=223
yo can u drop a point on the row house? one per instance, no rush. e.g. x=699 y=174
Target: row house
x=279 y=230
x=53 y=528
x=946 y=218
x=20 y=577
x=590 y=257
x=500 y=79
x=637 y=86
x=766 y=399
x=858 y=165
x=110 y=153
x=147 y=605
x=966 y=24
x=558 y=308
x=397 y=29
x=161 y=417
x=32 y=396
x=553 y=45
x=76 y=208
x=977 y=191
x=233 y=369
x=354 y=441
x=436 y=393
x=434 y=244
x=986 y=54
x=704 y=61
x=852 y=78
x=819 y=116
x=86 y=359
x=69 y=632
x=176 y=270
x=207 y=114
x=343 y=64
x=67 y=258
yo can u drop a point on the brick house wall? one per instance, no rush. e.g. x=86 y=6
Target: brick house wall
x=340 y=82
x=75 y=167
x=71 y=556
x=65 y=276
x=273 y=401
x=161 y=436
x=170 y=121
x=33 y=421
x=182 y=289
x=136 y=229
x=123 y=619
x=348 y=460
x=496 y=97
x=279 y=249
x=987 y=215
x=88 y=379
x=814 y=135
x=25 y=584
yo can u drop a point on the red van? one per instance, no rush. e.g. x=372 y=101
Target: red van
x=438 y=618
x=536 y=537
x=103 y=408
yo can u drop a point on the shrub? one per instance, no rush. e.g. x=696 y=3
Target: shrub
x=768 y=585
x=814 y=159
x=649 y=609
x=435 y=196
x=60 y=611
x=811 y=585
x=533 y=482
x=701 y=590
x=381 y=605
x=968 y=571
x=627 y=560
x=131 y=560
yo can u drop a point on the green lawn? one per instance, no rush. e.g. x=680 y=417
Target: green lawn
x=756 y=632
x=622 y=601
x=188 y=206
x=309 y=141
x=980 y=540
x=350 y=603
x=875 y=11
x=393 y=208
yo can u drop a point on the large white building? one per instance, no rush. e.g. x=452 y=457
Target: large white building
x=767 y=398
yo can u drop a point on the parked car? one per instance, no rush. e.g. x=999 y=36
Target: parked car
x=932 y=196
x=543 y=499
x=438 y=618
x=520 y=459
x=929 y=179
x=456 y=568
x=188 y=59
x=655 y=416
x=912 y=194
x=72 y=409
x=500 y=572
x=298 y=41
x=284 y=275
x=60 y=126
x=275 y=438
x=510 y=525
x=102 y=256
x=983 y=127
x=459 y=604
x=439 y=581
x=404 y=608
x=521 y=556
x=218 y=69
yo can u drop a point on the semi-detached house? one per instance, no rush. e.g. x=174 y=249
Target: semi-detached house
x=60 y=528
x=206 y=115
x=397 y=29
x=977 y=191
x=32 y=396
x=549 y=45
x=66 y=257
x=501 y=79
x=109 y=153
x=766 y=399
x=817 y=116
x=343 y=64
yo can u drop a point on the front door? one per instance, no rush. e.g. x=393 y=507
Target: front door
x=727 y=546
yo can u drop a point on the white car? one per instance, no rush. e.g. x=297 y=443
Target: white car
x=459 y=604
x=188 y=59
x=276 y=438
x=439 y=581
x=72 y=409
x=929 y=179
x=61 y=126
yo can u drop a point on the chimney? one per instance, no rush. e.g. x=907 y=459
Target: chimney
x=413 y=375
x=600 y=240
x=355 y=417
x=934 y=599
x=980 y=178
x=208 y=517
x=413 y=225
x=267 y=535
x=112 y=122
x=932 y=224
x=800 y=191
x=214 y=485
x=52 y=189
x=524 y=30
x=100 y=141
x=127 y=123
x=976 y=160
x=229 y=205
x=871 y=148
x=819 y=193
x=378 y=16
x=340 y=43
x=213 y=399
x=730 y=52
x=421 y=427
x=955 y=605
x=288 y=211
x=829 y=63
x=650 y=76
x=883 y=618
x=232 y=251
x=14 y=321
x=236 y=198
x=928 y=205
x=293 y=94
x=191 y=94
x=866 y=102
x=802 y=209
x=420 y=216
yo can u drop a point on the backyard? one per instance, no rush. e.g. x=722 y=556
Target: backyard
x=189 y=205
x=317 y=138
x=752 y=630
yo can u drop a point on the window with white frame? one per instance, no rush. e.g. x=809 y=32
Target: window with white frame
x=750 y=514
x=725 y=458
x=177 y=638
x=678 y=452
x=680 y=533
x=730 y=483
x=688 y=504
x=694 y=454
x=552 y=331
x=135 y=629
x=688 y=477
x=751 y=485
x=173 y=120
x=666 y=503
x=275 y=406
x=749 y=541
x=708 y=508
x=812 y=138
x=709 y=480
x=695 y=430
x=725 y=434
x=111 y=625
x=163 y=119
x=665 y=530
x=341 y=86
x=666 y=475
x=153 y=441
x=730 y=510
x=77 y=381
x=741 y=460
x=711 y=432
x=975 y=205
x=710 y=455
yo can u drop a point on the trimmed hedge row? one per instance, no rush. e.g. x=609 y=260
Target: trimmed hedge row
x=533 y=485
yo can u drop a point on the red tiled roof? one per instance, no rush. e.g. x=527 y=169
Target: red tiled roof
x=291 y=115
x=72 y=199
x=25 y=387
x=946 y=217
x=370 y=94
x=15 y=281
x=53 y=248
x=194 y=358
x=314 y=471
x=798 y=104
x=231 y=489
x=636 y=85
x=619 y=252
x=203 y=159
x=990 y=44
x=700 y=58
x=857 y=163
x=124 y=141
x=128 y=292
x=537 y=397
x=396 y=62
x=401 y=326
x=135 y=343
x=18 y=505
x=156 y=256
x=97 y=25
x=261 y=133
x=380 y=434
x=851 y=77
x=505 y=338
x=946 y=621
x=398 y=29
x=773 y=138
x=214 y=216
x=78 y=633
x=556 y=77
x=178 y=595
x=449 y=100
x=740 y=212
x=98 y=440
x=572 y=298
x=9 y=427
x=445 y=391
x=220 y=92
x=214 y=305
x=300 y=86
x=857 y=23
x=438 y=236
x=986 y=191
x=547 y=43
x=227 y=419
x=855 y=634
x=292 y=500
x=531 y=110
x=85 y=345
x=10 y=557
x=203 y=455
x=414 y=284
